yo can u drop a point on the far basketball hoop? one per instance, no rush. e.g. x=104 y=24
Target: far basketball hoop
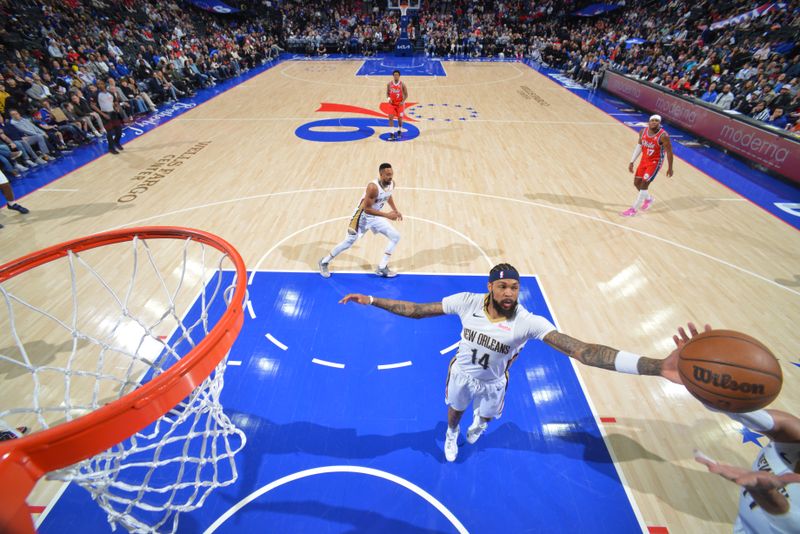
x=404 y=6
x=404 y=45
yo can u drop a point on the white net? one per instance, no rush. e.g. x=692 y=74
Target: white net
x=89 y=328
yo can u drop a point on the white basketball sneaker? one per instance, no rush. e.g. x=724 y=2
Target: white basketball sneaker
x=323 y=269
x=451 y=445
x=385 y=272
x=477 y=428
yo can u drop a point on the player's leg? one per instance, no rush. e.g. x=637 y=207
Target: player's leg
x=649 y=199
x=348 y=242
x=385 y=227
x=457 y=396
x=639 y=177
x=454 y=417
x=488 y=405
x=8 y=193
x=399 y=121
x=641 y=196
x=391 y=127
x=118 y=131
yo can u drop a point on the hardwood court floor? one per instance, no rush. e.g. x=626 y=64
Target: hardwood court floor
x=537 y=181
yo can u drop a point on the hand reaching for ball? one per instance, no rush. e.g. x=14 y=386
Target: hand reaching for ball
x=669 y=369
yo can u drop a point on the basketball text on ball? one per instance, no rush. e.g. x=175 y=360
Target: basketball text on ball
x=726 y=381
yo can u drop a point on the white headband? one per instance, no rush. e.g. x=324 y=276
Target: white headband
x=655 y=118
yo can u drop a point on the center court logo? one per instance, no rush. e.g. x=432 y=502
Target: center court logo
x=346 y=129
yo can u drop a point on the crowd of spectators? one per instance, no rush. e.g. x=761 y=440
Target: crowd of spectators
x=751 y=68
x=73 y=72
x=55 y=53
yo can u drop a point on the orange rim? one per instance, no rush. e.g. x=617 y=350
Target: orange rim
x=25 y=460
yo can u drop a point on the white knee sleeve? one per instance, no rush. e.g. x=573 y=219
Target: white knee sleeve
x=394 y=238
x=344 y=245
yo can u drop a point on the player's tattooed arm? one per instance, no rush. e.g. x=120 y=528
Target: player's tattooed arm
x=414 y=310
x=596 y=355
x=586 y=353
x=403 y=308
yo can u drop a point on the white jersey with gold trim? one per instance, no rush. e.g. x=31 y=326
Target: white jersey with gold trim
x=487 y=349
x=360 y=222
x=383 y=196
x=778 y=458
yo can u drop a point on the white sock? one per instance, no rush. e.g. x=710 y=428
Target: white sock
x=384 y=262
x=640 y=199
x=327 y=259
x=452 y=431
x=649 y=196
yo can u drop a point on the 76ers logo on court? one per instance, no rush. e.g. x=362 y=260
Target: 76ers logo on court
x=346 y=129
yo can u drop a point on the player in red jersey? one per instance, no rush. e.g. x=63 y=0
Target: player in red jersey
x=653 y=145
x=396 y=94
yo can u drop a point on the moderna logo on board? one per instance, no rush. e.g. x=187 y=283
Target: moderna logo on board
x=346 y=129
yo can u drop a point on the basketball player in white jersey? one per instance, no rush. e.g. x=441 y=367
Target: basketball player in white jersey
x=368 y=216
x=396 y=95
x=770 y=501
x=495 y=329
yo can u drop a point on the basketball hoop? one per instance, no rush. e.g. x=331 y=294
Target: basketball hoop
x=403 y=8
x=126 y=394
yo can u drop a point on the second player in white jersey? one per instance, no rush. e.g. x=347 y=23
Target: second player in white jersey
x=362 y=221
x=489 y=347
x=369 y=216
x=779 y=459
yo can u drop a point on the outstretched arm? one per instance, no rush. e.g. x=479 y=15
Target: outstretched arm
x=763 y=486
x=403 y=308
x=601 y=356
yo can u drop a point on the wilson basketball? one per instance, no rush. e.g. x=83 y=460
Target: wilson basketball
x=730 y=371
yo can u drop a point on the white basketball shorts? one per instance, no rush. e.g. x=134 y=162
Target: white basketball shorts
x=487 y=397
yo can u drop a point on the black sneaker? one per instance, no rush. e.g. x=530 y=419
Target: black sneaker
x=399 y=135
x=119 y=146
x=391 y=136
x=16 y=207
x=8 y=434
x=112 y=150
